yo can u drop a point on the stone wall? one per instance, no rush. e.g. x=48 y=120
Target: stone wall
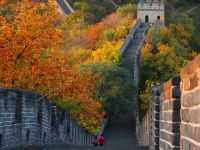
x=64 y=8
x=155 y=115
x=129 y=37
x=175 y=111
x=190 y=105
x=131 y=53
x=165 y=111
x=30 y=119
x=169 y=131
x=144 y=130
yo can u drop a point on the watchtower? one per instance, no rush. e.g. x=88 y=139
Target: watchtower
x=151 y=11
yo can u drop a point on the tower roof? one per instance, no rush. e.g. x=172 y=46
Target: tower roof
x=151 y=5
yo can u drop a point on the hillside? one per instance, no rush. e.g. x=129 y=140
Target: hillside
x=99 y=8
x=174 y=9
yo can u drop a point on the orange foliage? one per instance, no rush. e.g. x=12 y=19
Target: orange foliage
x=23 y=41
x=29 y=59
x=112 y=20
x=92 y=35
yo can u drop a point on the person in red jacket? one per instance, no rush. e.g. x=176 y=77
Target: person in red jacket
x=101 y=140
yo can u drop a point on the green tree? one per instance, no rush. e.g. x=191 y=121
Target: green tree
x=146 y=94
x=160 y=66
x=115 y=90
x=130 y=9
x=195 y=42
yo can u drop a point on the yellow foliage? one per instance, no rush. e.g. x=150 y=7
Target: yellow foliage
x=108 y=53
x=163 y=49
x=147 y=50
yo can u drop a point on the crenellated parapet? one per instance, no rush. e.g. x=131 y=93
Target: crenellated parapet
x=151 y=11
x=175 y=111
x=28 y=119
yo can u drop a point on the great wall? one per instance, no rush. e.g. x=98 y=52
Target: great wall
x=172 y=122
x=174 y=116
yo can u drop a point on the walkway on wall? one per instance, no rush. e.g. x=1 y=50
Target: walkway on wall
x=129 y=55
x=192 y=9
x=120 y=135
x=65 y=6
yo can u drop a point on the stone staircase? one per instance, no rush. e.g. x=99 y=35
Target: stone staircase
x=129 y=56
x=132 y=61
x=119 y=135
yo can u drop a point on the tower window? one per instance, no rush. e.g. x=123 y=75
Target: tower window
x=1 y=140
x=44 y=137
x=158 y=17
x=146 y=19
x=68 y=127
x=18 y=109
x=27 y=135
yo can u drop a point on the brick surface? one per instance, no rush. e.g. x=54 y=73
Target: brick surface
x=171 y=105
x=191 y=99
x=191 y=67
x=24 y=121
x=179 y=111
x=190 y=115
x=172 y=82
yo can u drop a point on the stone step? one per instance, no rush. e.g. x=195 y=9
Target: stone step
x=141 y=30
x=66 y=147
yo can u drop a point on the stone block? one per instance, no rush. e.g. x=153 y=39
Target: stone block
x=191 y=66
x=191 y=99
x=156 y=140
x=155 y=100
x=155 y=91
x=175 y=139
x=185 y=144
x=171 y=127
x=173 y=116
x=194 y=80
x=171 y=105
x=156 y=124
x=196 y=134
x=156 y=132
x=161 y=115
x=176 y=92
x=190 y=115
x=172 y=82
x=173 y=92
x=156 y=116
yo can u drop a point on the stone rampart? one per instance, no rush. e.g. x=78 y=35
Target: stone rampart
x=169 y=131
x=190 y=105
x=175 y=111
x=30 y=119
x=129 y=37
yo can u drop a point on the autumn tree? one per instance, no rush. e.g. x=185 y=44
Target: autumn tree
x=24 y=40
x=92 y=36
x=115 y=89
x=31 y=59
x=160 y=66
x=108 y=53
